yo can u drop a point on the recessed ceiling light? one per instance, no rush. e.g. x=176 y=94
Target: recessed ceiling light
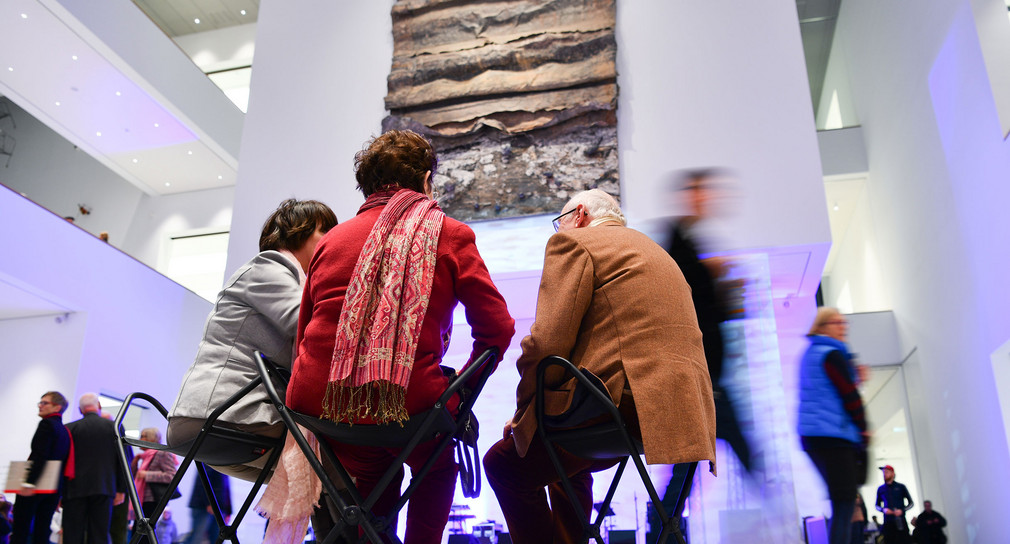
x=189 y=152
x=98 y=134
x=156 y=125
x=242 y=12
x=167 y=184
x=835 y=207
x=10 y=68
x=73 y=57
x=24 y=15
x=119 y=93
x=57 y=102
x=135 y=161
x=197 y=21
x=220 y=177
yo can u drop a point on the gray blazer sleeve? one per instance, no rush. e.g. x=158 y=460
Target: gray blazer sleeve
x=271 y=288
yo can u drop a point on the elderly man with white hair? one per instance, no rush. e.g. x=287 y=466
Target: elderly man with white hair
x=98 y=482
x=615 y=303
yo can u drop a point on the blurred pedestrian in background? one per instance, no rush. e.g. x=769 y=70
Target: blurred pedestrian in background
x=711 y=292
x=832 y=421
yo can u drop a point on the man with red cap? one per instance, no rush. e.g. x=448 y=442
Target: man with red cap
x=893 y=500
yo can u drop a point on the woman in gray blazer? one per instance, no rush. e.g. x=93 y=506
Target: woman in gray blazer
x=257 y=310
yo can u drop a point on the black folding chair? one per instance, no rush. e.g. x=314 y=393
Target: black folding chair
x=214 y=445
x=605 y=437
x=436 y=423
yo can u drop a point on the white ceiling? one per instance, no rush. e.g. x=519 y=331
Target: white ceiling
x=178 y=17
x=54 y=73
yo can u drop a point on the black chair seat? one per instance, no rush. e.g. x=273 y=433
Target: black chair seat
x=384 y=436
x=221 y=447
x=603 y=441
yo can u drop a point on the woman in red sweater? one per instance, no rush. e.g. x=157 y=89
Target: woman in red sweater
x=376 y=316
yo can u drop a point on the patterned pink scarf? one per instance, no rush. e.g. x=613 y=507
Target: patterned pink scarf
x=383 y=311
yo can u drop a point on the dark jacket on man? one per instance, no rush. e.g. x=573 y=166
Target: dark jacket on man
x=32 y=513
x=97 y=470
x=50 y=443
x=88 y=497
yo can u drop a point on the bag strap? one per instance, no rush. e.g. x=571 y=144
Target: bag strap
x=468 y=459
x=467 y=455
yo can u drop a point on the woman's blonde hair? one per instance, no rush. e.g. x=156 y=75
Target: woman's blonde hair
x=824 y=314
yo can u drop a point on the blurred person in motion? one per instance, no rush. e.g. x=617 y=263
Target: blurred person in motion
x=832 y=421
x=165 y=530
x=51 y=442
x=376 y=318
x=710 y=292
x=203 y=526
x=893 y=500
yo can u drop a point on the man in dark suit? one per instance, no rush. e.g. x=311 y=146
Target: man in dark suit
x=99 y=482
x=33 y=512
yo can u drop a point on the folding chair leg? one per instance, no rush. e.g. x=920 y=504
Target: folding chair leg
x=671 y=524
x=352 y=515
x=605 y=505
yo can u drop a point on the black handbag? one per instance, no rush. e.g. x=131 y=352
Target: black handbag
x=158 y=490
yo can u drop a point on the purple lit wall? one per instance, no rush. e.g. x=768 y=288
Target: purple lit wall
x=112 y=326
x=937 y=184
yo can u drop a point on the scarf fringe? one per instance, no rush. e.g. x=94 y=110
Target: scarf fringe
x=381 y=401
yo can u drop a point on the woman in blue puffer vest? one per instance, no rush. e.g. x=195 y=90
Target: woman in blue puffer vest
x=832 y=423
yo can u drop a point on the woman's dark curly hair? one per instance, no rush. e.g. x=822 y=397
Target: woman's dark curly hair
x=293 y=222
x=398 y=158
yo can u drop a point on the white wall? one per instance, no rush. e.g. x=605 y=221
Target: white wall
x=856 y=283
x=938 y=170
x=316 y=96
x=56 y=174
x=836 y=108
x=157 y=218
x=702 y=85
x=221 y=49
x=40 y=355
